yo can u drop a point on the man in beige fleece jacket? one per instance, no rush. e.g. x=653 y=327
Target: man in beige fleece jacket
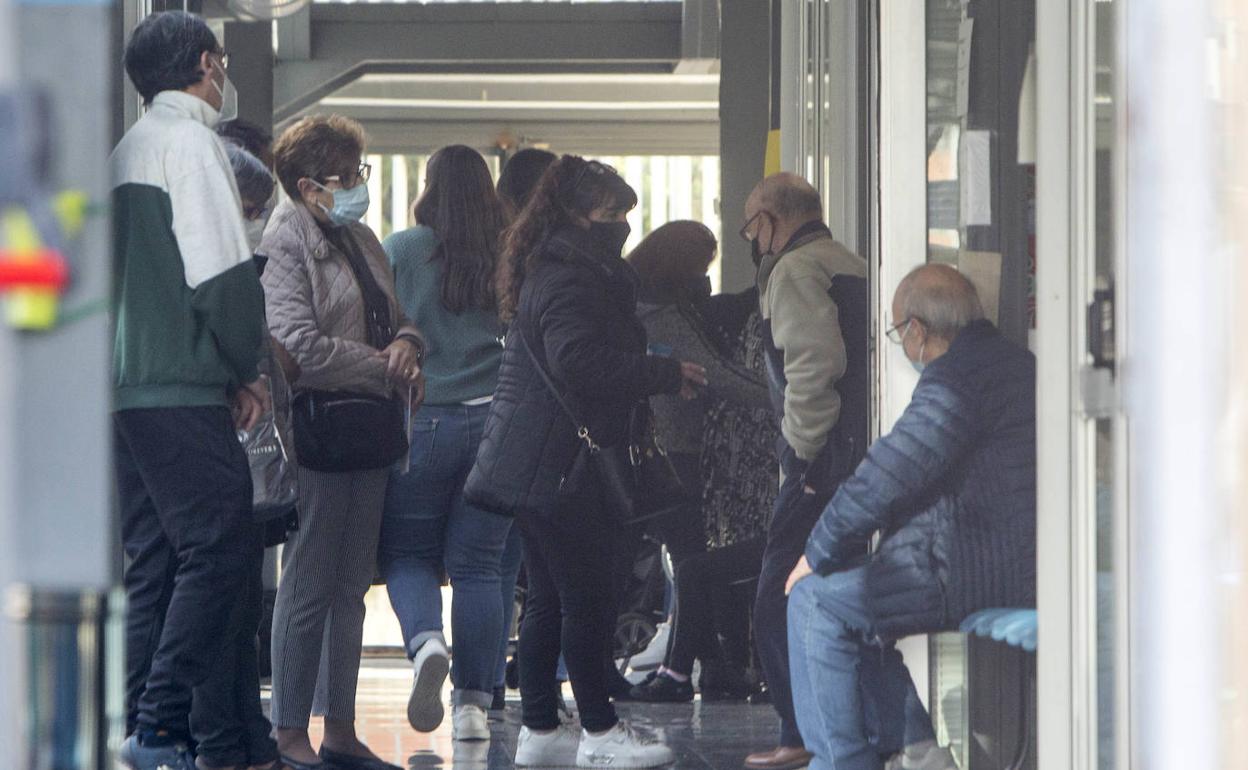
x=814 y=301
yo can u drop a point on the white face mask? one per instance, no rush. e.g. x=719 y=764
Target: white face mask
x=229 y=96
x=255 y=232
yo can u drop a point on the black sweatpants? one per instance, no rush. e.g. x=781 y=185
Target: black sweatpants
x=184 y=492
x=227 y=720
x=700 y=579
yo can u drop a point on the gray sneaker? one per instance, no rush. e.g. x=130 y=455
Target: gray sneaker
x=137 y=757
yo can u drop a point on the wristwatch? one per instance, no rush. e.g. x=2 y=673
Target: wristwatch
x=417 y=343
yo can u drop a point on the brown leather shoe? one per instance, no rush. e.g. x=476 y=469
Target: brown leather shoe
x=779 y=758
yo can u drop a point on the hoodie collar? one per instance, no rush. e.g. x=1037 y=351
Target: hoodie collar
x=184 y=105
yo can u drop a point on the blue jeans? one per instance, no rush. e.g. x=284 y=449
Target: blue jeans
x=856 y=704
x=513 y=555
x=428 y=527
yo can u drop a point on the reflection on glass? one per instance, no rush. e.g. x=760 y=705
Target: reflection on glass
x=944 y=130
x=1104 y=100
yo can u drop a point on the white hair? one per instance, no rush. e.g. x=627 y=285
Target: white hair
x=942 y=298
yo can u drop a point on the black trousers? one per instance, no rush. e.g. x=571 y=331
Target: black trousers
x=683 y=533
x=184 y=492
x=793 y=518
x=702 y=583
x=570 y=605
x=227 y=720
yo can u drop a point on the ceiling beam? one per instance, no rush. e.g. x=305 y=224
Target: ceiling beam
x=348 y=40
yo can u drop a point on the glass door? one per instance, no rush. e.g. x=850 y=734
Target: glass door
x=980 y=195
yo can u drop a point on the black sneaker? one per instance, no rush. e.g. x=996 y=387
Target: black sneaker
x=720 y=685
x=663 y=689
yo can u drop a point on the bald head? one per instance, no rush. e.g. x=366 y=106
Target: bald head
x=940 y=298
x=777 y=209
x=787 y=196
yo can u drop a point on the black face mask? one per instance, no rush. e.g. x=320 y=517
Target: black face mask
x=610 y=236
x=756 y=253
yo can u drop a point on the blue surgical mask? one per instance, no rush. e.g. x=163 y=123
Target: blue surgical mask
x=349 y=205
x=919 y=366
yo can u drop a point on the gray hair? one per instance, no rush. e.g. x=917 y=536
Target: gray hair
x=255 y=182
x=943 y=299
x=790 y=197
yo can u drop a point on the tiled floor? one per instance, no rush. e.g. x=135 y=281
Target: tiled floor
x=711 y=735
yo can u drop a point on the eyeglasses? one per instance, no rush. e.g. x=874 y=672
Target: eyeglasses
x=744 y=231
x=253 y=213
x=897 y=332
x=224 y=57
x=360 y=176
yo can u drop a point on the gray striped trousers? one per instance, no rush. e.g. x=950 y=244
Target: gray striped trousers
x=318 y=622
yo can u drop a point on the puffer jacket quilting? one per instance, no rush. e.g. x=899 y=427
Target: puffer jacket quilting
x=953 y=490
x=577 y=311
x=314 y=306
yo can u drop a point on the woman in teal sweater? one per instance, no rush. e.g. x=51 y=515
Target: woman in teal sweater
x=444 y=270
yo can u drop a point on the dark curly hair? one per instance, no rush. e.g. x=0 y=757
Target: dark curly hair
x=165 y=50
x=569 y=190
x=459 y=204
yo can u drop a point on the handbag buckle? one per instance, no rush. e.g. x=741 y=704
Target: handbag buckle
x=634 y=455
x=583 y=434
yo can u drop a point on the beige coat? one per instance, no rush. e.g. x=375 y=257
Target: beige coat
x=793 y=294
x=315 y=309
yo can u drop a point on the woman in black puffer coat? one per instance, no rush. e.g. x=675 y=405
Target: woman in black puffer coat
x=570 y=300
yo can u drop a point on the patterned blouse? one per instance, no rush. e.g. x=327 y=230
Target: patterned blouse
x=738 y=451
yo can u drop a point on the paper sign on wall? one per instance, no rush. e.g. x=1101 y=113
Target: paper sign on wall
x=975 y=175
x=983 y=268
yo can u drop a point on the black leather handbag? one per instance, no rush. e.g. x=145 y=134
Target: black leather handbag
x=337 y=431
x=638 y=480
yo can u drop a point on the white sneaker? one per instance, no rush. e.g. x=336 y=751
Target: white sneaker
x=470 y=723
x=622 y=746
x=656 y=651
x=424 y=706
x=552 y=748
x=932 y=757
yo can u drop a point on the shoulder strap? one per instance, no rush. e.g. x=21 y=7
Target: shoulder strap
x=376 y=304
x=582 y=431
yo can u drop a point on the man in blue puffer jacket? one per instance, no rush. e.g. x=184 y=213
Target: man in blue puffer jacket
x=952 y=489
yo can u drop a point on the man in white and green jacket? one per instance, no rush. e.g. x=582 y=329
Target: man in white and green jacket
x=189 y=314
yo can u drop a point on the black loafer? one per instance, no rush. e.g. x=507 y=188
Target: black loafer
x=339 y=761
x=294 y=765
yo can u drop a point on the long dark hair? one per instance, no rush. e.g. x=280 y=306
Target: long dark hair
x=520 y=175
x=459 y=204
x=569 y=190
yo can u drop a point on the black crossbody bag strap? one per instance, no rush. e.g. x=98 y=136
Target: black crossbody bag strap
x=582 y=431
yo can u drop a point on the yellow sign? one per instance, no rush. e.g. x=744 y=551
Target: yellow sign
x=771 y=161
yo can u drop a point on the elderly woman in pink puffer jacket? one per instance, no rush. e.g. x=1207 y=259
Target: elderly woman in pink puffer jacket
x=331 y=303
